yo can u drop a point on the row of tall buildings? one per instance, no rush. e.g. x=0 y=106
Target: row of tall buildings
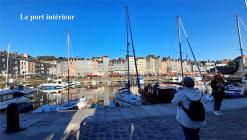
x=21 y=65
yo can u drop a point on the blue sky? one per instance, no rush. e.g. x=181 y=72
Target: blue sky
x=99 y=27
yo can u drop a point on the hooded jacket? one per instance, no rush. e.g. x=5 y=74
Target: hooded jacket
x=185 y=95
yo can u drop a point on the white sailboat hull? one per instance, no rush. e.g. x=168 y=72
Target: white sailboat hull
x=125 y=98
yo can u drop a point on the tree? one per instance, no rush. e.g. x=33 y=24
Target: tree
x=46 y=58
x=234 y=64
x=231 y=67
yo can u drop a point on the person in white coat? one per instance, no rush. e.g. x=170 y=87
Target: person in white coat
x=184 y=95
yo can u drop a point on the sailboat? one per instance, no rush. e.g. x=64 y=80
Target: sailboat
x=199 y=77
x=124 y=96
x=234 y=91
x=156 y=94
x=71 y=104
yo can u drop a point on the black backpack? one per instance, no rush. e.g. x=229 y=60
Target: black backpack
x=196 y=110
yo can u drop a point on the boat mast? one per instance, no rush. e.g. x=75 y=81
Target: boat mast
x=7 y=67
x=180 y=48
x=240 y=44
x=127 y=43
x=133 y=48
x=197 y=64
x=68 y=45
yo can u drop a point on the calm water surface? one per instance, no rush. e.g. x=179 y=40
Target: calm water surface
x=101 y=96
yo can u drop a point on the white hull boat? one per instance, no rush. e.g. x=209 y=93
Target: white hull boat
x=233 y=91
x=125 y=98
x=77 y=104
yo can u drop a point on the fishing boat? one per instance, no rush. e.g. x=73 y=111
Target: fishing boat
x=124 y=96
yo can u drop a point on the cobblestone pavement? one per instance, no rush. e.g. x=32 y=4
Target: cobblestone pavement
x=134 y=123
x=231 y=126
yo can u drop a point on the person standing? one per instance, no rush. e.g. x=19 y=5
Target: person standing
x=184 y=97
x=218 y=92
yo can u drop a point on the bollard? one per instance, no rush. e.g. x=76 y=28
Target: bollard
x=13 y=118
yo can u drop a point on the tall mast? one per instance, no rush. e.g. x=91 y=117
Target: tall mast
x=68 y=45
x=180 y=48
x=240 y=45
x=197 y=64
x=127 y=43
x=7 y=67
x=133 y=48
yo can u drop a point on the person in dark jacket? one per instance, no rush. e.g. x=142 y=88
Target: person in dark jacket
x=218 y=91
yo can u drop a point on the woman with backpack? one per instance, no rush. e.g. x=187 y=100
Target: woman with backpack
x=190 y=109
x=218 y=92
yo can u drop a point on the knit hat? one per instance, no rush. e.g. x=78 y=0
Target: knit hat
x=188 y=82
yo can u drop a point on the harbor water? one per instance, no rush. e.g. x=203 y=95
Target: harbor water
x=100 y=96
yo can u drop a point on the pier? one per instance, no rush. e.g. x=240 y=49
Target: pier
x=141 y=122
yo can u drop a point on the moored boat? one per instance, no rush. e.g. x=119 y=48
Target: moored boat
x=124 y=97
x=11 y=96
x=26 y=89
x=233 y=91
x=56 y=86
x=157 y=94
x=59 y=85
x=71 y=105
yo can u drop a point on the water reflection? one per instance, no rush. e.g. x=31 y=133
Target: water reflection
x=101 y=96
